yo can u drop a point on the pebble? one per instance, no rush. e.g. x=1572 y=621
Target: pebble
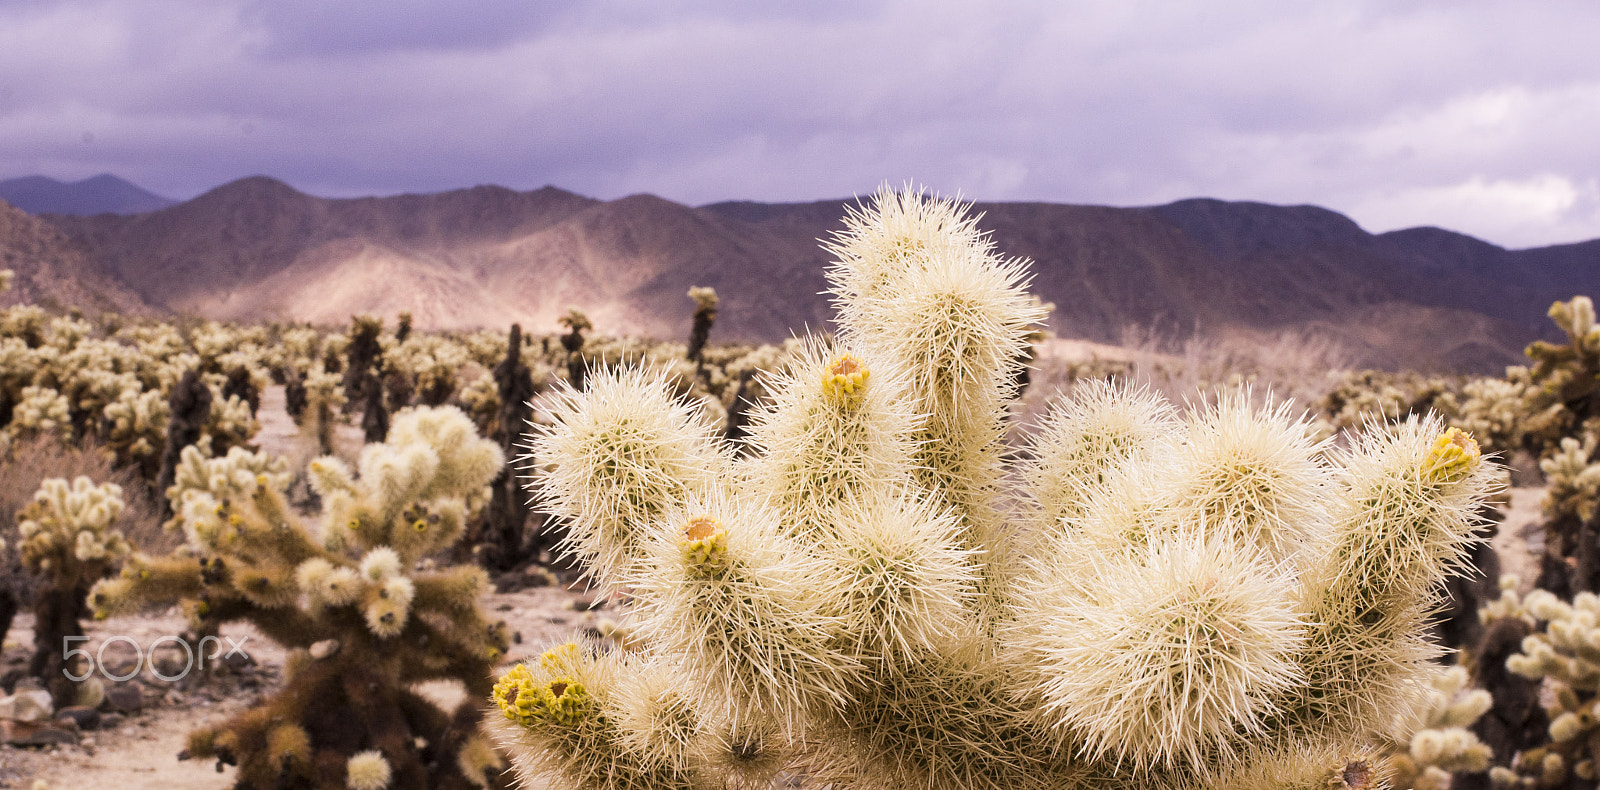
x=124 y=698
x=83 y=717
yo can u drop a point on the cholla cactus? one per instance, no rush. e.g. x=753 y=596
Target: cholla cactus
x=364 y=617
x=1563 y=656
x=705 y=314
x=1492 y=410
x=1211 y=600
x=1564 y=381
x=481 y=401
x=69 y=539
x=576 y=323
x=1432 y=739
x=1363 y=396
x=430 y=363
x=324 y=399
x=41 y=411
x=1570 y=509
x=136 y=428
x=1574 y=480
x=230 y=423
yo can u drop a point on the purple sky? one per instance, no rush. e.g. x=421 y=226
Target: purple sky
x=1478 y=116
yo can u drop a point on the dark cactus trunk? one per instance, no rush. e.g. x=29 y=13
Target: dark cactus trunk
x=8 y=610
x=190 y=404
x=506 y=527
x=294 y=394
x=573 y=343
x=374 y=416
x=699 y=333
x=745 y=399
x=241 y=386
x=57 y=614
x=363 y=356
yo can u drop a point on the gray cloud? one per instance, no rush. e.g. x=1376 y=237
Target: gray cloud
x=1477 y=116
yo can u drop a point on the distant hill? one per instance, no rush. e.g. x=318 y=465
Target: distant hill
x=53 y=272
x=102 y=194
x=487 y=256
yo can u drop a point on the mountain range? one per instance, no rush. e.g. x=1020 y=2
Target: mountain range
x=487 y=256
x=102 y=194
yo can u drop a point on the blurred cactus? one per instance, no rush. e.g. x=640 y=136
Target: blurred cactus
x=68 y=538
x=40 y=411
x=1564 y=380
x=576 y=323
x=1433 y=738
x=364 y=357
x=188 y=409
x=1561 y=656
x=1572 y=530
x=364 y=618
x=1212 y=600
x=503 y=544
x=705 y=314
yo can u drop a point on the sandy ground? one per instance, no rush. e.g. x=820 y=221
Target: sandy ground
x=141 y=752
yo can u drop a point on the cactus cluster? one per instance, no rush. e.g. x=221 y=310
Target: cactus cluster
x=69 y=538
x=1564 y=380
x=1561 y=655
x=354 y=594
x=65 y=378
x=1434 y=734
x=1210 y=599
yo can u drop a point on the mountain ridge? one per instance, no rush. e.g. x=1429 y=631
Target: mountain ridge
x=257 y=248
x=101 y=194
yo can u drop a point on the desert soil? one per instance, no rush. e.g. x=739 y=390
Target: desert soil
x=141 y=752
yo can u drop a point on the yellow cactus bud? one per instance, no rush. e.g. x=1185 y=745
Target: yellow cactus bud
x=705 y=543
x=517 y=696
x=845 y=378
x=566 y=701
x=1455 y=455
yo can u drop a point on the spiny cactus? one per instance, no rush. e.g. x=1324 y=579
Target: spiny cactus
x=1206 y=600
x=1572 y=523
x=1564 y=380
x=40 y=411
x=1433 y=738
x=69 y=539
x=365 y=617
x=1562 y=655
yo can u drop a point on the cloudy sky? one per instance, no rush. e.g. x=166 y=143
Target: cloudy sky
x=1478 y=116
